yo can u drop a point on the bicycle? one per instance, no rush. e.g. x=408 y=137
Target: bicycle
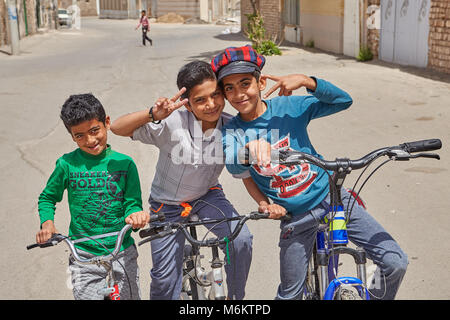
x=196 y=279
x=111 y=289
x=322 y=281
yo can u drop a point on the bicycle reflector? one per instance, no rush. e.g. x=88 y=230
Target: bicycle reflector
x=338 y=226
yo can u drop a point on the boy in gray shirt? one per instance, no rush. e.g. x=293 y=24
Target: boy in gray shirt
x=189 y=165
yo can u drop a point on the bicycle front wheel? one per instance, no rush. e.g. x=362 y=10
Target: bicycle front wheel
x=191 y=289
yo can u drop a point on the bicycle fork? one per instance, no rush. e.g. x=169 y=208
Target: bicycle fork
x=217 y=289
x=326 y=271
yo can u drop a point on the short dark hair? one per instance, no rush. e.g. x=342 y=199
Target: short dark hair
x=81 y=107
x=193 y=74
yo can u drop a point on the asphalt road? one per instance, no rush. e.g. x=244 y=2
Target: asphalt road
x=392 y=105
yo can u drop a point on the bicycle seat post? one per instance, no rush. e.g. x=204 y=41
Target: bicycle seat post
x=193 y=232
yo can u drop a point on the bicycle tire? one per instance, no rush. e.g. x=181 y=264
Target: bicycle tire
x=312 y=287
x=347 y=293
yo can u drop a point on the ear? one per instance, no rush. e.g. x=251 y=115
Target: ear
x=262 y=83
x=107 y=122
x=188 y=106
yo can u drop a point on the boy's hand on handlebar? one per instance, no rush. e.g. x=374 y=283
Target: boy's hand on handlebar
x=163 y=107
x=261 y=151
x=46 y=232
x=138 y=219
x=288 y=83
x=274 y=210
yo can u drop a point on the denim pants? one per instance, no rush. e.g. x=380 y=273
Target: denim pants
x=167 y=253
x=298 y=238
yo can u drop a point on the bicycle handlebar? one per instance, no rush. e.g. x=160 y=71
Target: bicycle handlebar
x=400 y=152
x=160 y=231
x=57 y=238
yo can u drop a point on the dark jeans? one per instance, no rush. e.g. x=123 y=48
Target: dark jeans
x=144 y=36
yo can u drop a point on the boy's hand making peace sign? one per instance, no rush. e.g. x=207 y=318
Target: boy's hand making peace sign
x=128 y=123
x=289 y=83
x=163 y=107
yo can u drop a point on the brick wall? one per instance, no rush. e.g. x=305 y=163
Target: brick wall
x=439 y=36
x=271 y=13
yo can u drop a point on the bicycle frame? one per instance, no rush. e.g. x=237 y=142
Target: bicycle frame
x=332 y=242
x=196 y=275
x=193 y=274
x=111 y=290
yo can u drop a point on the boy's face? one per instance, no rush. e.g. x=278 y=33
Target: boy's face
x=243 y=92
x=91 y=135
x=206 y=102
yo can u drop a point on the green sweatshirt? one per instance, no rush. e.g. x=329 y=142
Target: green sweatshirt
x=102 y=191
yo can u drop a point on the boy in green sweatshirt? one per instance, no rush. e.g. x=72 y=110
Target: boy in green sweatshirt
x=104 y=194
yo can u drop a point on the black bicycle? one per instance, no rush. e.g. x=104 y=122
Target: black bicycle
x=197 y=279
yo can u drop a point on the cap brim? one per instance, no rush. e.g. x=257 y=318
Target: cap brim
x=237 y=67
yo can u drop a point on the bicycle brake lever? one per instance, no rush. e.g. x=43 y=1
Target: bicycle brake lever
x=426 y=155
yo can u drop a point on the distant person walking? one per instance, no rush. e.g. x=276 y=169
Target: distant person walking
x=145 y=27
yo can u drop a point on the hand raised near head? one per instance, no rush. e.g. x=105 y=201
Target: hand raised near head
x=163 y=107
x=289 y=83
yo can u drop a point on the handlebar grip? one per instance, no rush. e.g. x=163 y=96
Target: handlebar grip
x=147 y=232
x=50 y=243
x=245 y=158
x=423 y=145
x=53 y=241
x=157 y=217
x=286 y=217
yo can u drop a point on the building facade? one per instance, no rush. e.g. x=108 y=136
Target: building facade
x=405 y=32
x=33 y=15
x=206 y=10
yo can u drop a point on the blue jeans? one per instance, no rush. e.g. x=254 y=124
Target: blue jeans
x=167 y=252
x=298 y=237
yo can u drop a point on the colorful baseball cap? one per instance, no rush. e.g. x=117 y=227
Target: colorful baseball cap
x=237 y=60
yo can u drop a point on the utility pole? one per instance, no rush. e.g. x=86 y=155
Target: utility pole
x=13 y=27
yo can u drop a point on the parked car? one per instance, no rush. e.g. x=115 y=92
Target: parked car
x=64 y=17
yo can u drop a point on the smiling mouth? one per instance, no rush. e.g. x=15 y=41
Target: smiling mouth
x=241 y=102
x=212 y=111
x=94 y=147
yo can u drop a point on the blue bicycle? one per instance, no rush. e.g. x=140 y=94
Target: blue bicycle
x=322 y=282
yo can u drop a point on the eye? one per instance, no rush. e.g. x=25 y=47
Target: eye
x=94 y=130
x=245 y=84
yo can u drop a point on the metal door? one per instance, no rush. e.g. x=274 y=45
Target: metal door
x=404 y=32
x=351 y=28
